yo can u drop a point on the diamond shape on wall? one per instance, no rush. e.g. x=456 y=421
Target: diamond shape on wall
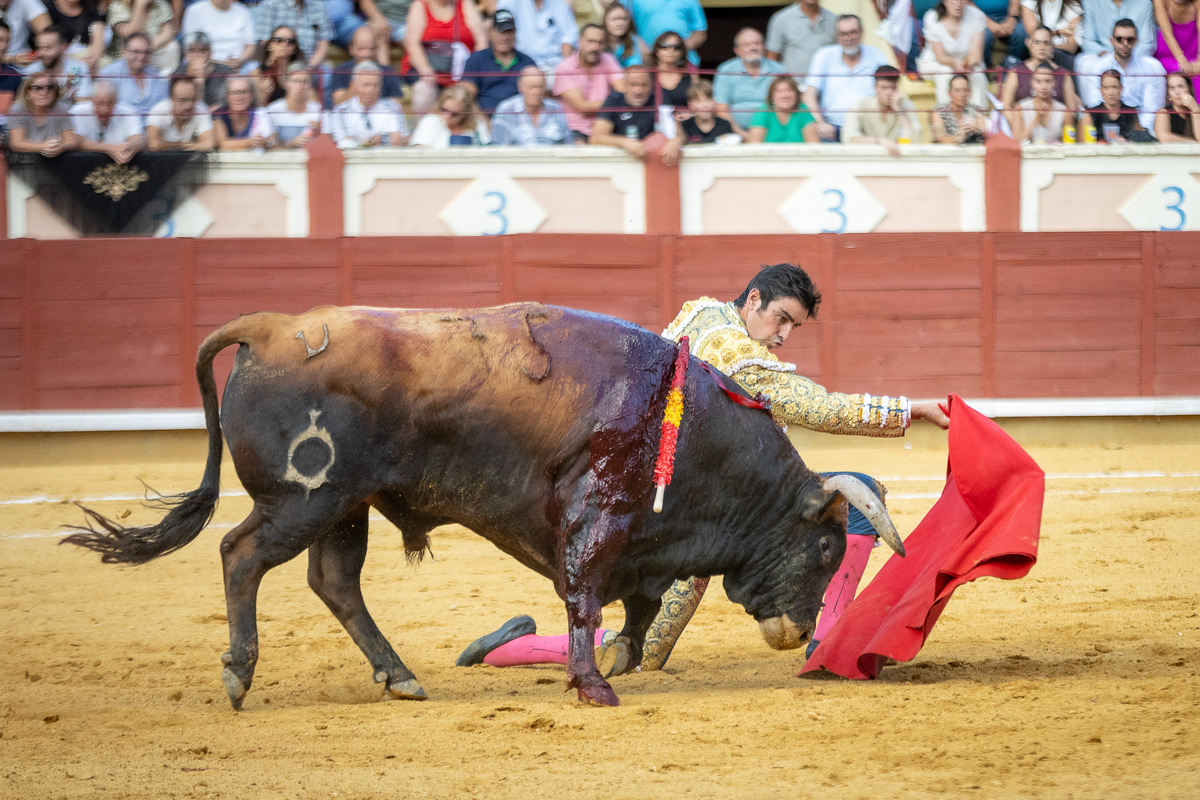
x=827 y=204
x=1165 y=203
x=493 y=205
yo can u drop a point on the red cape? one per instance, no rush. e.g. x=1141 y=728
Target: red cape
x=985 y=523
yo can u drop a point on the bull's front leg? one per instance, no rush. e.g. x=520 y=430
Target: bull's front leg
x=591 y=550
x=625 y=654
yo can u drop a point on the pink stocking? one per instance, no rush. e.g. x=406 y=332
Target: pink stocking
x=533 y=649
x=845 y=582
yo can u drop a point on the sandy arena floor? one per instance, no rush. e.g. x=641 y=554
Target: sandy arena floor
x=1082 y=680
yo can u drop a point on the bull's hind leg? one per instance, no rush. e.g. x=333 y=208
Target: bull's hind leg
x=270 y=536
x=335 y=565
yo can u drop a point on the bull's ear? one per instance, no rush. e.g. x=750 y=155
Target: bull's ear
x=819 y=505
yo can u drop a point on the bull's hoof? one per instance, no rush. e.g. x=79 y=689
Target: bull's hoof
x=615 y=658
x=600 y=694
x=233 y=687
x=406 y=690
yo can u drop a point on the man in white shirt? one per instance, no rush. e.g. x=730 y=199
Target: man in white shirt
x=546 y=30
x=73 y=76
x=1144 y=84
x=23 y=17
x=180 y=122
x=230 y=29
x=839 y=76
x=106 y=126
x=366 y=120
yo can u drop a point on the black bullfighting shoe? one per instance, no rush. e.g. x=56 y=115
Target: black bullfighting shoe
x=515 y=628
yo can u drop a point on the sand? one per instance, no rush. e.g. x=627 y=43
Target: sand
x=1078 y=681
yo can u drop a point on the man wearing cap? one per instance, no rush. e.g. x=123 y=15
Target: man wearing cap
x=546 y=30
x=495 y=70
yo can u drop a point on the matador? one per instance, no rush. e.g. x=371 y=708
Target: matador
x=737 y=338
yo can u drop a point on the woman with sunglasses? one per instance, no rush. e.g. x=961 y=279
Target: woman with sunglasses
x=277 y=53
x=620 y=38
x=672 y=71
x=457 y=121
x=1179 y=120
x=1018 y=85
x=38 y=122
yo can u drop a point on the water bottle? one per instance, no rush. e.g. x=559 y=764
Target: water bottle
x=631 y=132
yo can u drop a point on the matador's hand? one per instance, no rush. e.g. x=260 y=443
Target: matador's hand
x=930 y=411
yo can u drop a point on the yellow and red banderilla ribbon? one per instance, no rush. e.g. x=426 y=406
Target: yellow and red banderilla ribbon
x=672 y=415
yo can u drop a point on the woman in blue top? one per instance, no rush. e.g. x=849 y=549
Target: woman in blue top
x=621 y=39
x=784 y=118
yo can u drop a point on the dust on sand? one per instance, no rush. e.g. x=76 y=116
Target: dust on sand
x=1078 y=681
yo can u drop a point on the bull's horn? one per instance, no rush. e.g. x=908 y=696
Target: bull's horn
x=871 y=507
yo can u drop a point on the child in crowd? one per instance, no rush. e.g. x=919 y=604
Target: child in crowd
x=703 y=126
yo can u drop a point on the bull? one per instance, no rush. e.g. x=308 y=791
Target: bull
x=534 y=426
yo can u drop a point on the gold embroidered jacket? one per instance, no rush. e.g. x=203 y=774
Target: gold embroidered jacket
x=716 y=334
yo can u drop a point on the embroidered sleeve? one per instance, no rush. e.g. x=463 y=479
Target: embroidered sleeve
x=797 y=400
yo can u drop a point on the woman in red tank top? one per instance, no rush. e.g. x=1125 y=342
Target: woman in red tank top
x=441 y=34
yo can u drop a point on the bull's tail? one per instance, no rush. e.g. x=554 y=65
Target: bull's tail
x=189 y=512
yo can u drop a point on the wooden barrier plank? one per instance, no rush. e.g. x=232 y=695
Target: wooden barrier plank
x=1024 y=308
x=1051 y=335
x=10 y=343
x=900 y=362
x=600 y=250
x=1071 y=387
x=1166 y=385
x=1179 y=330
x=1116 y=365
x=1174 y=359
x=1062 y=247
x=91 y=373
x=907 y=304
x=1177 y=303
x=1120 y=279
x=546 y=280
x=102 y=397
x=958 y=332
x=109 y=345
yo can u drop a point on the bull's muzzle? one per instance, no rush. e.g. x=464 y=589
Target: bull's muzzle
x=783 y=634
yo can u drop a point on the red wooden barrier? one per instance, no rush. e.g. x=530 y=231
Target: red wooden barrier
x=115 y=323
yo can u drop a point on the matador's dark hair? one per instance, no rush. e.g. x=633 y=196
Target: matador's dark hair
x=783 y=280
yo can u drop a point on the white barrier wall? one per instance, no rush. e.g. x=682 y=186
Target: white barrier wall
x=493 y=190
x=818 y=188
x=1130 y=187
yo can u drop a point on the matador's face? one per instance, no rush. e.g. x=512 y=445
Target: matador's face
x=771 y=325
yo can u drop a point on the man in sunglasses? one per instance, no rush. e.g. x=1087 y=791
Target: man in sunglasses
x=229 y=27
x=1101 y=16
x=1144 y=83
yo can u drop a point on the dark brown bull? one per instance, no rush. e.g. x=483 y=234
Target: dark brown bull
x=534 y=426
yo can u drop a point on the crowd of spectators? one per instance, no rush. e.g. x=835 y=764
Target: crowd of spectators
x=122 y=76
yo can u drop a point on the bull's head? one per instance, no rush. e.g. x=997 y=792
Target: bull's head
x=784 y=590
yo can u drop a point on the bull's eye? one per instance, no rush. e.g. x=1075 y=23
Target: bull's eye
x=825 y=546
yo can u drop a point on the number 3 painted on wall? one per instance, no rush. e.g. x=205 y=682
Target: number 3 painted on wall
x=839 y=199
x=1176 y=207
x=498 y=213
